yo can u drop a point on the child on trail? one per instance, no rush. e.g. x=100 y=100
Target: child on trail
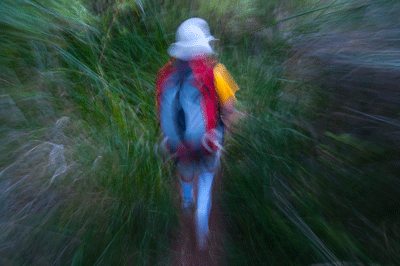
x=195 y=104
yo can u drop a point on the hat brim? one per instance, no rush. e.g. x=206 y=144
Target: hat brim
x=189 y=50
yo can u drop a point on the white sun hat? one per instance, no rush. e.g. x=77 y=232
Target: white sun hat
x=192 y=40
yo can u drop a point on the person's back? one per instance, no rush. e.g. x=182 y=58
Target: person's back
x=195 y=102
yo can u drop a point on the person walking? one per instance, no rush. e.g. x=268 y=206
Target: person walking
x=195 y=103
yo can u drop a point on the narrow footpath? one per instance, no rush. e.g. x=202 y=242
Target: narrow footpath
x=184 y=247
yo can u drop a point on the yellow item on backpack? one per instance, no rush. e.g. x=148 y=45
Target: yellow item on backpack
x=224 y=84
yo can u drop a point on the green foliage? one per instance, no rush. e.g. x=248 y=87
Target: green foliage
x=100 y=195
x=81 y=184
x=294 y=197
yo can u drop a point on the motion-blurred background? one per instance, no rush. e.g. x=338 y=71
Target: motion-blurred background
x=311 y=176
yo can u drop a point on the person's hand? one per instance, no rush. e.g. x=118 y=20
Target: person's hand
x=230 y=117
x=227 y=112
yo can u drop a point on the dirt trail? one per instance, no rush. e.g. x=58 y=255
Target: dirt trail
x=184 y=247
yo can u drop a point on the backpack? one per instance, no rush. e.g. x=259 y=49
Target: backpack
x=187 y=108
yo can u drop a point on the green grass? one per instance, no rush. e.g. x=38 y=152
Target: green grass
x=290 y=201
x=85 y=187
x=297 y=194
x=79 y=179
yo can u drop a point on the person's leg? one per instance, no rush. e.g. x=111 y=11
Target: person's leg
x=204 y=202
x=209 y=166
x=186 y=174
x=204 y=198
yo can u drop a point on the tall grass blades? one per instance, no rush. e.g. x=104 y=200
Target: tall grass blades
x=82 y=185
x=311 y=172
x=306 y=178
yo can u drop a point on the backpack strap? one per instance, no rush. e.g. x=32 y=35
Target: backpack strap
x=204 y=75
x=162 y=75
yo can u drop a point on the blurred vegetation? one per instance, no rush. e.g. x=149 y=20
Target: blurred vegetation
x=311 y=172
